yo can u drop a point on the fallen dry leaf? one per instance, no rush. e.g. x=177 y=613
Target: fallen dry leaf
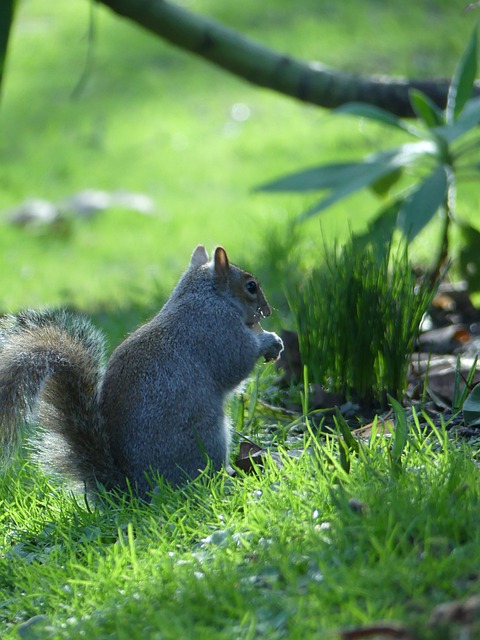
x=385 y=427
x=463 y=612
x=380 y=631
x=251 y=456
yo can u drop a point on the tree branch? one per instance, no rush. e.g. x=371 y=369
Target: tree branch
x=259 y=65
x=7 y=13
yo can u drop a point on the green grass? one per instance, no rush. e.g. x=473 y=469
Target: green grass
x=362 y=347
x=295 y=552
x=155 y=120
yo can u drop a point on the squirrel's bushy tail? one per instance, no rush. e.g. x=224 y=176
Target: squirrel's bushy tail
x=51 y=368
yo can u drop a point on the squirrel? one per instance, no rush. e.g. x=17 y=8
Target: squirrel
x=158 y=405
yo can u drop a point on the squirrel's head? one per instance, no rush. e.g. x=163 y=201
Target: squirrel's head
x=240 y=283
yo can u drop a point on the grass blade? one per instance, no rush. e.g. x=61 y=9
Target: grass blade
x=401 y=434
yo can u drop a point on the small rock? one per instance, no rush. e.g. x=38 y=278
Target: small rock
x=138 y=202
x=87 y=203
x=34 y=212
x=33 y=627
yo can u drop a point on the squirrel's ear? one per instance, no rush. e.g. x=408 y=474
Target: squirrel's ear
x=221 y=262
x=199 y=256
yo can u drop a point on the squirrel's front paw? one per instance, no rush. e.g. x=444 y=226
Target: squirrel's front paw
x=273 y=346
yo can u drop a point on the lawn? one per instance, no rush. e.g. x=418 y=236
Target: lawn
x=298 y=550
x=151 y=119
x=304 y=550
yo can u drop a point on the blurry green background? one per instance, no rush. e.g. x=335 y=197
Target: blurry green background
x=155 y=120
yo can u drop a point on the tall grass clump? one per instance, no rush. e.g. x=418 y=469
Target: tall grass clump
x=358 y=316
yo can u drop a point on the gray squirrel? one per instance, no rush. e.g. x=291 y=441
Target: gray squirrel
x=158 y=406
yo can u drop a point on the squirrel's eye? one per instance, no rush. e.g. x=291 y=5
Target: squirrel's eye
x=251 y=287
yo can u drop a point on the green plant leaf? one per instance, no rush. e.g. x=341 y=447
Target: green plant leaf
x=460 y=90
x=383 y=185
x=468 y=119
x=404 y=155
x=425 y=109
x=362 y=110
x=364 y=173
x=422 y=203
x=471 y=408
x=468 y=254
x=370 y=172
x=380 y=229
x=374 y=168
x=321 y=177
